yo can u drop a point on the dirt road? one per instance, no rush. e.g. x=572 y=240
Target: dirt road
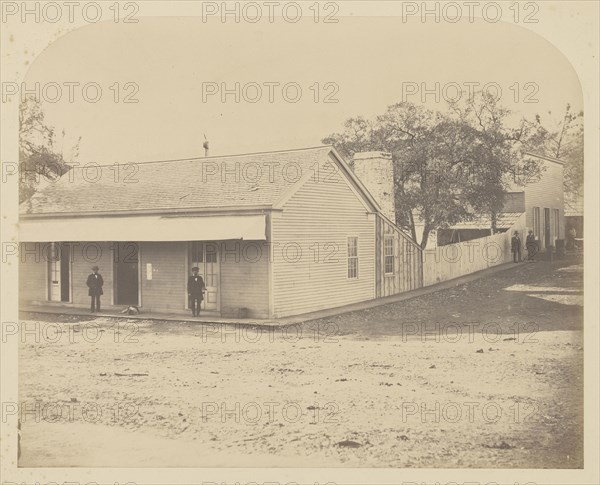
x=487 y=374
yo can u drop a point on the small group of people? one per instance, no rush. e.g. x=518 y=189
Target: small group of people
x=530 y=243
x=195 y=289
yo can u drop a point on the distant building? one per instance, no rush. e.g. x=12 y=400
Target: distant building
x=574 y=213
x=541 y=199
x=543 y=202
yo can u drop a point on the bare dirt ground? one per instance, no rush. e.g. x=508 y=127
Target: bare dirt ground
x=487 y=374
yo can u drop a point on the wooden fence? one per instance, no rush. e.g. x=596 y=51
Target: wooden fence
x=453 y=260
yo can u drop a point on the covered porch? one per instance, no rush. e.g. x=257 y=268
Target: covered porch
x=146 y=261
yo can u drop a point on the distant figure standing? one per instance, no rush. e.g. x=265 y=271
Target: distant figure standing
x=572 y=236
x=95 y=283
x=195 y=289
x=515 y=246
x=531 y=245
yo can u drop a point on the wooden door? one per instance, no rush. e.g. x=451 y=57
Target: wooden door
x=205 y=255
x=211 y=276
x=54 y=267
x=126 y=271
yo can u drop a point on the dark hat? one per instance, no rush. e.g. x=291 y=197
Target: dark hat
x=195 y=268
x=95 y=268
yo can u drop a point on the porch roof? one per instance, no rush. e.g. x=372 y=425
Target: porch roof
x=145 y=228
x=504 y=220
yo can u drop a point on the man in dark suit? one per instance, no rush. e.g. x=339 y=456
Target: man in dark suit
x=95 y=283
x=531 y=245
x=515 y=246
x=195 y=289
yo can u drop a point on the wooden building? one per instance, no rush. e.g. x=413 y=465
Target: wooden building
x=274 y=234
x=542 y=200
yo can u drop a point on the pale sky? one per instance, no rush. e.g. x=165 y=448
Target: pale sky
x=367 y=58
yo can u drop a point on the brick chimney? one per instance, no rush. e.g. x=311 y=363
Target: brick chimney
x=376 y=171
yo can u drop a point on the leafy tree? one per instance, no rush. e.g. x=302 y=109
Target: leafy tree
x=496 y=151
x=448 y=167
x=39 y=158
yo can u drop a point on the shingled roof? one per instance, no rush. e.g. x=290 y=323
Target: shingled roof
x=238 y=181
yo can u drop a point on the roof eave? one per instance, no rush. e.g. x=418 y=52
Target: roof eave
x=350 y=173
x=544 y=157
x=186 y=211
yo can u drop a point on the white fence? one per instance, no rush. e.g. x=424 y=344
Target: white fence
x=453 y=260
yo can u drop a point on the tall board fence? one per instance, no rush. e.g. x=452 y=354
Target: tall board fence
x=453 y=260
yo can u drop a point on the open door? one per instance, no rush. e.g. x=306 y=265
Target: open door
x=126 y=271
x=547 y=234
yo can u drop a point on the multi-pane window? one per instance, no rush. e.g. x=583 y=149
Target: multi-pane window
x=353 y=257
x=388 y=254
x=205 y=256
x=210 y=274
x=211 y=252
x=54 y=263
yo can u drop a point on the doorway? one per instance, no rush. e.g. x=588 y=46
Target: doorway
x=126 y=271
x=59 y=272
x=205 y=255
x=547 y=237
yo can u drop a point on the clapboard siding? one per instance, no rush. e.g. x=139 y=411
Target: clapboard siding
x=244 y=279
x=86 y=255
x=310 y=266
x=33 y=272
x=547 y=193
x=166 y=291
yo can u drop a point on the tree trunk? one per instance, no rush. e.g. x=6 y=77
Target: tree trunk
x=413 y=231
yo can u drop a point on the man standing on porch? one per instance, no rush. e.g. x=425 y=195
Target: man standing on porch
x=195 y=288
x=95 y=283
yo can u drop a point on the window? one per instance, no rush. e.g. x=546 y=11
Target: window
x=211 y=252
x=536 y=222
x=54 y=263
x=197 y=253
x=388 y=254
x=353 y=257
x=556 y=223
